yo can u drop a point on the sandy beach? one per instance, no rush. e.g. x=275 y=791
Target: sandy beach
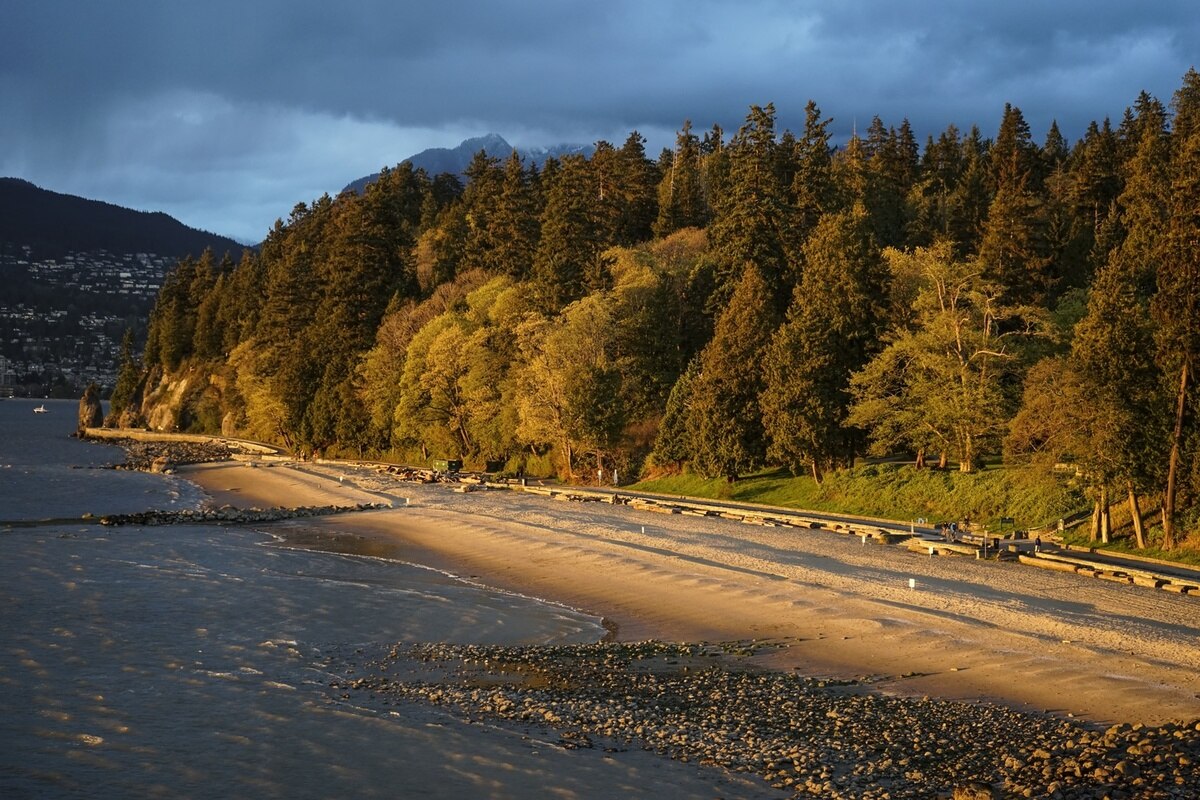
x=1029 y=639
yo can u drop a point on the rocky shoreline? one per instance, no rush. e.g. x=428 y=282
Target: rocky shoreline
x=231 y=515
x=166 y=456
x=814 y=738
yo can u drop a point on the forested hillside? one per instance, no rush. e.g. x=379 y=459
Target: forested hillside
x=745 y=300
x=54 y=224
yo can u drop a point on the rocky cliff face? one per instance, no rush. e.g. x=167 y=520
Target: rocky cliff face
x=163 y=404
x=191 y=399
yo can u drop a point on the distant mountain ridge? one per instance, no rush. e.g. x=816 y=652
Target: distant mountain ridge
x=437 y=160
x=54 y=223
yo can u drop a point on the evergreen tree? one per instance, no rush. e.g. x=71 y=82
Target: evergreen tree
x=284 y=367
x=724 y=423
x=637 y=181
x=673 y=445
x=241 y=301
x=750 y=226
x=567 y=262
x=606 y=193
x=1176 y=304
x=514 y=222
x=968 y=205
x=681 y=202
x=1015 y=249
x=892 y=164
x=1014 y=158
x=173 y=319
x=1054 y=152
x=832 y=329
x=930 y=198
x=126 y=392
x=1095 y=176
x=852 y=175
x=440 y=248
x=812 y=184
x=207 y=339
x=485 y=183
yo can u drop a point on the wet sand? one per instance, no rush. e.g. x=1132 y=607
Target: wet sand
x=1030 y=639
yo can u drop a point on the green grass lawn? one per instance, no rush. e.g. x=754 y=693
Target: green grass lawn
x=900 y=492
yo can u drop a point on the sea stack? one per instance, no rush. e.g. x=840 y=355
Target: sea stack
x=91 y=413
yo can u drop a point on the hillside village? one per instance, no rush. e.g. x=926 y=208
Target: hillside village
x=62 y=316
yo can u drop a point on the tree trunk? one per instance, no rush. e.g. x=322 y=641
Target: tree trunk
x=1173 y=466
x=1095 y=521
x=1105 y=524
x=967 y=462
x=464 y=436
x=943 y=460
x=921 y=459
x=1135 y=513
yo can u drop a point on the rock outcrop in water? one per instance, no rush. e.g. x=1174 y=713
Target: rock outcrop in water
x=91 y=413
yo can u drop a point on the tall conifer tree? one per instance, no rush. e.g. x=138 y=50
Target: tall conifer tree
x=681 y=202
x=567 y=262
x=724 y=421
x=750 y=227
x=832 y=329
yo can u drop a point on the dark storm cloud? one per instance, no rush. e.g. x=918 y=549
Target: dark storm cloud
x=227 y=113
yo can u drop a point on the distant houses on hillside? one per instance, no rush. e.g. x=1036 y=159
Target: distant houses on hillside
x=62 y=317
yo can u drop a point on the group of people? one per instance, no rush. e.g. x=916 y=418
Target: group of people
x=950 y=534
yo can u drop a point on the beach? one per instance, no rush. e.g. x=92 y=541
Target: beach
x=1032 y=639
x=806 y=604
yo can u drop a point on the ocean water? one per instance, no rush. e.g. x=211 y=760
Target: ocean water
x=191 y=661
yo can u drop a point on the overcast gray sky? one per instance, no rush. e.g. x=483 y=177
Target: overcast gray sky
x=226 y=113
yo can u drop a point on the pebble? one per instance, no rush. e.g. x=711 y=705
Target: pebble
x=834 y=739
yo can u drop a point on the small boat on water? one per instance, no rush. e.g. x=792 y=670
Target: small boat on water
x=41 y=409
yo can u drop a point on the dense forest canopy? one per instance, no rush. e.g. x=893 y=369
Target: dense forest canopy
x=744 y=300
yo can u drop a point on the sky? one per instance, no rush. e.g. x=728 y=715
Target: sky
x=227 y=113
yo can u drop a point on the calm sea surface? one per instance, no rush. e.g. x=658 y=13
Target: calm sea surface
x=190 y=661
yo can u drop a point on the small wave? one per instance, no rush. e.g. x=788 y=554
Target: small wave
x=278 y=643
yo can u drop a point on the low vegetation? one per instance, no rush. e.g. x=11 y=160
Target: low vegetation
x=987 y=498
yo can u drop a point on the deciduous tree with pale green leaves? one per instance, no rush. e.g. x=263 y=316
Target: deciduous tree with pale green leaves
x=946 y=379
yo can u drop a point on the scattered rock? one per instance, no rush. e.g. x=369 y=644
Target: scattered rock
x=230 y=515
x=830 y=739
